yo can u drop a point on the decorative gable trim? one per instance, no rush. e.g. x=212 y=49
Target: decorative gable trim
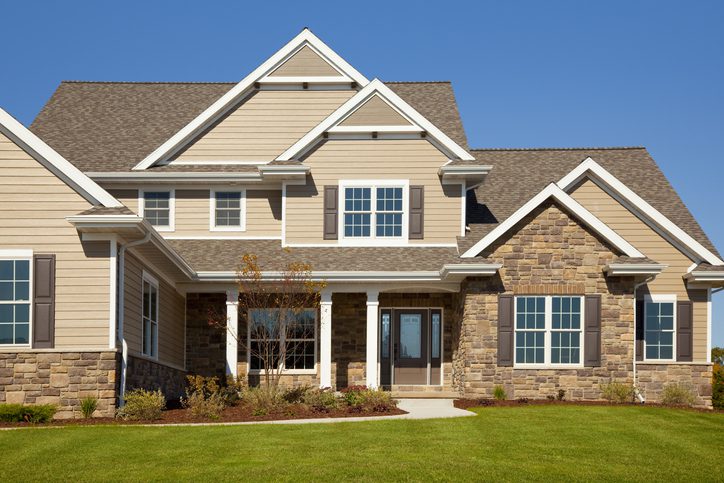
x=648 y=213
x=240 y=90
x=553 y=191
x=376 y=87
x=54 y=162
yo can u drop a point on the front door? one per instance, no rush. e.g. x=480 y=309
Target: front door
x=410 y=346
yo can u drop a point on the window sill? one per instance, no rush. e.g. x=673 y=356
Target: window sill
x=291 y=372
x=234 y=229
x=548 y=366
x=672 y=363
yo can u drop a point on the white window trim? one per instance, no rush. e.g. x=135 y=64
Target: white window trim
x=147 y=277
x=171 y=205
x=23 y=254
x=547 y=340
x=242 y=209
x=373 y=240
x=661 y=298
x=284 y=371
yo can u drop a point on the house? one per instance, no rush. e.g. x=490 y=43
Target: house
x=126 y=208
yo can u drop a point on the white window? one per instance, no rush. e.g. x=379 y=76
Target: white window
x=548 y=331
x=158 y=208
x=373 y=212
x=150 y=317
x=228 y=211
x=659 y=327
x=15 y=301
x=268 y=334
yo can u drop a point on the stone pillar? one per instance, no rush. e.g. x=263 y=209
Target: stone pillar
x=325 y=340
x=232 y=331
x=372 y=329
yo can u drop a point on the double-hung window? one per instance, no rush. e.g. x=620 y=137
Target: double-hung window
x=158 y=209
x=659 y=328
x=149 y=317
x=374 y=210
x=548 y=330
x=15 y=301
x=227 y=211
x=286 y=339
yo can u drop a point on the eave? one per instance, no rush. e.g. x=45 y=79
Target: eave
x=469 y=174
x=632 y=270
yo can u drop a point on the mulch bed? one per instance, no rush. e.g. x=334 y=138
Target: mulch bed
x=483 y=402
x=241 y=413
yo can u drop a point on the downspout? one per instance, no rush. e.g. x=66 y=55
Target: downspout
x=636 y=287
x=121 y=311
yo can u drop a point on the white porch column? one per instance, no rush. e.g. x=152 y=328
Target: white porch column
x=232 y=331
x=325 y=340
x=372 y=329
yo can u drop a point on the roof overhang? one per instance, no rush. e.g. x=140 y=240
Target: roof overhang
x=284 y=172
x=633 y=269
x=467 y=174
x=708 y=277
x=175 y=178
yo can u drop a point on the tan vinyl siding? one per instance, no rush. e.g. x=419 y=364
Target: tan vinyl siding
x=171 y=315
x=306 y=62
x=33 y=207
x=193 y=212
x=335 y=160
x=654 y=246
x=375 y=112
x=264 y=125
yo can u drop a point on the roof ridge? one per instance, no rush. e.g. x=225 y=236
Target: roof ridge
x=584 y=148
x=140 y=82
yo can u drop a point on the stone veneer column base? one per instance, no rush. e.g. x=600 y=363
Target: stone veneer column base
x=652 y=378
x=147 y=374
x=61 y=378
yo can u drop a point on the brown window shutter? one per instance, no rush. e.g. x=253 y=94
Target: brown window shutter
x=639 y=330
x=684 y=331
x=592 y=331
x=505 y=330
x=43 y=301
x=417 y=213
x=331 y=212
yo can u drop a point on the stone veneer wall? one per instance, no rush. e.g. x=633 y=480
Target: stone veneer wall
x=61 y=378
x=652 y=378
x=151 y=375
x=548 y=253
x=205 y=345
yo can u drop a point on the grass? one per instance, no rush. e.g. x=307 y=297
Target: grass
x=504 y=444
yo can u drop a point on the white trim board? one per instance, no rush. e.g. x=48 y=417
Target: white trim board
x=375 y=87
x=228 y=100
x=591 y=167
x=553 y=191
x=53 y=161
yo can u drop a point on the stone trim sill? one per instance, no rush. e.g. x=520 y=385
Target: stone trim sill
x=672 y=363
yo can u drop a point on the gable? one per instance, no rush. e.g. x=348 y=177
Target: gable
x=375 y=112
x=263 y=125
x=305 y=62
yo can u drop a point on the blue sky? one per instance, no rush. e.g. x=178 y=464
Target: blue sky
x=526 y=74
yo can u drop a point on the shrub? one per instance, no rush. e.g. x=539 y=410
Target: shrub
x=352 y=395
x=522 y=400
x=499 y=393
x=717 y=386
x=320 y=400
x=296 y=395
x=677 y=395
x=377 y=401
x=551 y=397
x=18 y=413
x=265 y=399
x=561 y=394
x=617 y=392
x=205 y=398
x=88 y=406
x=142 y=405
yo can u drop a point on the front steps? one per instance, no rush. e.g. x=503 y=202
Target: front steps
x=399 y=391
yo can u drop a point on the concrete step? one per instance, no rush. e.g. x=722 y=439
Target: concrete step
x=425 y=394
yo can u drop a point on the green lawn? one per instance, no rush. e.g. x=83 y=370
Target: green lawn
x=520 y=443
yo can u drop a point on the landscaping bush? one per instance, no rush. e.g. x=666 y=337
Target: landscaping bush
x=265 y=399
x=88 y=406
x=295 y=395
x=499 y=393
x=617 y=392
x=352 y=395
x=717 y=386
x=561 y=396
x=205 y=398
x=320 y=400
x=18 y=413
x=142 y=405
x=677 y=395
x=363 y=399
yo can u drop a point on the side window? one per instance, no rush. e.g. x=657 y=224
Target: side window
x=227 y=211
x=150 y=317
x=659 y=330
x=158 y=209
x=14 y=302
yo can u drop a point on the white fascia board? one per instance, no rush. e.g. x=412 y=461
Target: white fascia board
x=629 y=269
x=198 y=176
x=279 y=79
x=369 y=129
x=334 y=276
x=374 y=87
x=218 y=108
x=653 y=215
x=115 y=220
x=553 y=191
x=463 y=270
x=451 y=174
x=705 y=276
x=56 y=163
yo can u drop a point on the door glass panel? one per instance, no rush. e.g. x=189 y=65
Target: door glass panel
x=410 y=336
x=385 y=336
x=435 y=336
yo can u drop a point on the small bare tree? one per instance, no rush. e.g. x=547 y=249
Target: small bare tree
x=277 y=313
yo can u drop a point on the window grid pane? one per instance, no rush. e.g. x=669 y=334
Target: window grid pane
x=150 y=319
x=357 y=216
x=157 y=207
x=266 y=339
x=228 y=209
x=566 y=326
x=389 y=212
x=659 y=330
x=14 y=301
